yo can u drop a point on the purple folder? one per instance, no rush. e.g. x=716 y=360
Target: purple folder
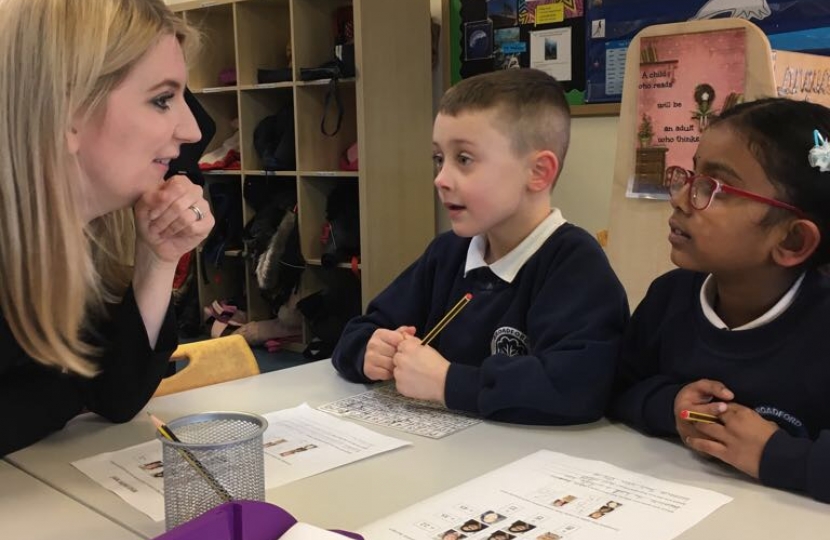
x=239 y=520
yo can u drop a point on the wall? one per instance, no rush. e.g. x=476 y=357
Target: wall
x=583 y=192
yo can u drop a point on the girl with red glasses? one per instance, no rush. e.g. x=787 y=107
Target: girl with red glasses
x=739 y=331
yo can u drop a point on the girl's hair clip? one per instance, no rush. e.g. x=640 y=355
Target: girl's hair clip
x=819 y=155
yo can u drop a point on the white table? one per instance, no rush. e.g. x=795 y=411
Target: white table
x=357 y=494
x=30 y=509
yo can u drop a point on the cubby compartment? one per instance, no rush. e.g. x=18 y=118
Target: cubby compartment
x=263 y=38
x=225 y=283
x=316 y=108
x=314 y=43
x=313 y=198
x=256 y=105
x=267 y=200
x=259 y=190
x=224 y=193
x=218 y=51
x=331 y=293
x=222 y=108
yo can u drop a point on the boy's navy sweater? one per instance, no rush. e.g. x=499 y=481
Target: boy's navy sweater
x=556 y=329
x=780 y=369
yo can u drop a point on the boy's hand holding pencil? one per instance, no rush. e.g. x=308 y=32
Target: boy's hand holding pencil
x=382 y=346
x=420 y=371
x=456 y=309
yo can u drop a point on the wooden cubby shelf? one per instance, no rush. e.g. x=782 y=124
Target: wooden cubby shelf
x=216 y=90
x=386 y=110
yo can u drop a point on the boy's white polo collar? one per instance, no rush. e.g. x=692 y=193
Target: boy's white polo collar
x=508 y=266
x=707 y=301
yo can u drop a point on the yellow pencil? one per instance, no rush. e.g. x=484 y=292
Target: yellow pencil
x=188 y=456
x=456 y=309
x=692 y=416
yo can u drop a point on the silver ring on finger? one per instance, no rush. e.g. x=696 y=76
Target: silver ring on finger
x=199 y=214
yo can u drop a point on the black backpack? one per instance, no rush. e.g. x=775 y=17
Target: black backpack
x=274 y=141
x=341 y=235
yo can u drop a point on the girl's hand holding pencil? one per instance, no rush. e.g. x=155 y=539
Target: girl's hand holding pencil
x=737 y=438
x=692 y=416
x=705 y=397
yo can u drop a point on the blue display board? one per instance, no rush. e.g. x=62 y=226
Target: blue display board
x=793 y=25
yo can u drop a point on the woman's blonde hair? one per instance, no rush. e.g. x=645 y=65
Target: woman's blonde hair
x=58 y=59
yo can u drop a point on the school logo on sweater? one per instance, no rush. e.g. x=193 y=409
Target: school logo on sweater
x=509 y=342
x=785 y=420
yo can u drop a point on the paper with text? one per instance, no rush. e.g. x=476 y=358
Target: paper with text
x=135 y=474
x=384 y=406
x=552 y=496
x=299 y=442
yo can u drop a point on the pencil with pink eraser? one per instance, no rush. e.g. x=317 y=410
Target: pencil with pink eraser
x=456 y=309
x=692 y=416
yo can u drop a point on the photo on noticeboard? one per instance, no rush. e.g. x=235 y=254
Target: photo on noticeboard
x=503 y=13
x=508 y=48
x=478 y=40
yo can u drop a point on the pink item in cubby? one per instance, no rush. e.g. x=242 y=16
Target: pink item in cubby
x=349 y=159
x=227 y=77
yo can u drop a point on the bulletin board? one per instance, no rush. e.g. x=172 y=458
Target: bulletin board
x=790 y=25
x=488 y=35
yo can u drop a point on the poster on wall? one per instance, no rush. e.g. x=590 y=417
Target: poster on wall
x=791 y=25
x=685 y=81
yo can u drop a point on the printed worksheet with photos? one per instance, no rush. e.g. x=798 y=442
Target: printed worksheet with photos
x=298 y=443
x=385 y=406
x=552 y=496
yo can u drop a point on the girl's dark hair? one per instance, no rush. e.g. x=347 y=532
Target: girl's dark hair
x=779 y=133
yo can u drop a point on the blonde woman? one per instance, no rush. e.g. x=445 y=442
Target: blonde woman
x=93 y=111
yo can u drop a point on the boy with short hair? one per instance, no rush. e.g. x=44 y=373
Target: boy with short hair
x=538 y=341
